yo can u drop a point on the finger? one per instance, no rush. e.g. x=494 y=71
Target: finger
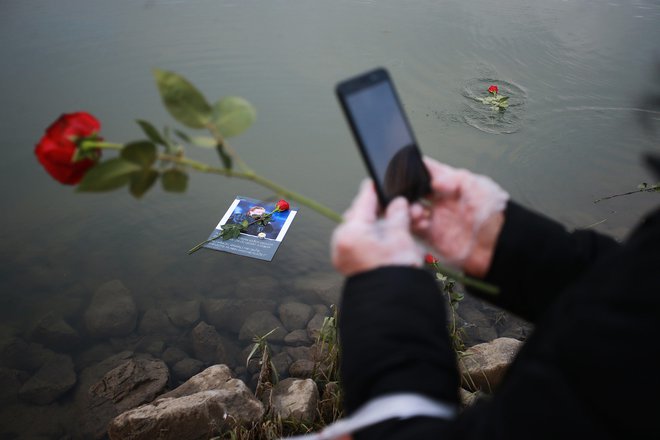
x=365 y=205
x=396 y=215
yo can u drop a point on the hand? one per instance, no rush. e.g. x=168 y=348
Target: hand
x=364 y=242
x=465 y=218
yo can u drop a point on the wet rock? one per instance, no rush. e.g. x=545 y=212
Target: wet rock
x=187 y=368
x=297 y=353
x=295 y=315
x=331 y=401
x=209 y=346
x=320 y=286
x=21 y=355
x=261 y=323
x=132 y=383
x=155 y=322
x=56 y=333
x=257 y=287
x=295 y=399
x=197 y=416
x=23 y=421
x=314 y=326
x=10 y=382
x=172 y=355
x=230 y=314
x=184 y=314
x=483 y=365
x=112 y=312
x=213 y=378
x=52 y=380
x=297 y=338
x=282 y=362
x=302 y=368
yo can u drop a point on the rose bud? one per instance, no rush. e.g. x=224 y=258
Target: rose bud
x=282 y=206
x=493 y=90
x=430 y=259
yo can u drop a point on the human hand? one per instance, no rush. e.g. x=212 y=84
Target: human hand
x=364 y=242
x=465 y=218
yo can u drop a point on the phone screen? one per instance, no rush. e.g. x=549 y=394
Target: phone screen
x=385 y=138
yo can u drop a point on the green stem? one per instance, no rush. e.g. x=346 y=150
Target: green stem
x=467 y=281
x=90 y=144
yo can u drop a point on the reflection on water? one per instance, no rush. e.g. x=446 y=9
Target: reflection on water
x=577 y=71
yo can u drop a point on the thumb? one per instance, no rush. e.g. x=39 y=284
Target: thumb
x=397 y=215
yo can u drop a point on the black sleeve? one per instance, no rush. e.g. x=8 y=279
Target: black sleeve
x=394 y=337
x=535 y=258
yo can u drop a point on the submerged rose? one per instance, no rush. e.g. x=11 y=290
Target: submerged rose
x=56 y=151
x=493 y=90
x=281 y=206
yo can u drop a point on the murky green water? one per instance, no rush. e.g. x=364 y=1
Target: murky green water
x=579 y=69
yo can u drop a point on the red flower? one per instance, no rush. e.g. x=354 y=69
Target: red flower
x=282 y=206
x=493 y=90
x=430 y=259
x=57 y=148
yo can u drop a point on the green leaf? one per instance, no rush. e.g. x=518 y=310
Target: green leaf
x=142 y=153
x=151 y=132
x=232 y=116
x=108 y=175
x=142 y=181
x=244 y=224
x=226 y=159
x=174 y=181
x=185 y=103
x=204 y=141
x=230 y=231
x=183 y=136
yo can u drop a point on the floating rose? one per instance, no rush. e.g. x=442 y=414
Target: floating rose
x=493 y=90
x=59 y=150
x=495 y=100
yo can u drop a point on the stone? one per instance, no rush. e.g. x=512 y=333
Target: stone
x=282 y=361
x=21 y=355
x=295 y=399
x=468 y=398
x=295 y=315
x=257 y=287
x=483 y=365
x=314 y=326
x=330 y=406
x=230 y=314
x=51 y=381
x=172 y=355
x=54 y=332
x=197 y=416
x=184 y=314
x=297 y=338
x=261 y=323
x=212 y=378
x=209 y=346
x=187 y=368
x=297 y=353
x=155 y=322
x=10 y=382
x=112 y=311
x=302 y=368
x=321 y=286
x=132 y=383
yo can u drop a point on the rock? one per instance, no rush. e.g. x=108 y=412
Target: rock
x=209 y=346
x=295 y=315
x=213 y=378
x=282 y=361
x=191 y=417
x=323 y=286
x=331 y=401
x=184 y=314
x=295 y=399
x=261 y=323
x=172 y=355
x=297 y=353
x=10 y=382
x=297 y=338
x=230 y=314
x=467 y=398
x=302 y=368
x=56 y=333
x=53 y=379
x=187 y=368
x=155 y=322
x=484 y=365
x=23 y=421
x=21 y=355
x=314 y=326
x=112 y=312
x=132 y=383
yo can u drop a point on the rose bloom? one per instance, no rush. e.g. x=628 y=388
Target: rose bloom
x=493 y=89
x=56 y=149
x=282 y=206
x=430 y=259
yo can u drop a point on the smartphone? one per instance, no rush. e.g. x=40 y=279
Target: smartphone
x=384 y=136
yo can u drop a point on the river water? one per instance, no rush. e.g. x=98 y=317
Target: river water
x=578 y=72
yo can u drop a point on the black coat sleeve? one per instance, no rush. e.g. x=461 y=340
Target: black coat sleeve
x=393 y=333
x=536 y=258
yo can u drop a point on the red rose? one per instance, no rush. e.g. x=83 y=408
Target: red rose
x=57 y=148
x=430 y=259
x=493 y=89
x=282 y=206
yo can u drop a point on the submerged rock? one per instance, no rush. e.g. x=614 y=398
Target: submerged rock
x=56 y=333
x=53 y=379
x=295 y=315
x=260 y=324
x=112 y=312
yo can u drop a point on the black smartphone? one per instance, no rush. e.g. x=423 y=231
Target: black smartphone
x=384 y=136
